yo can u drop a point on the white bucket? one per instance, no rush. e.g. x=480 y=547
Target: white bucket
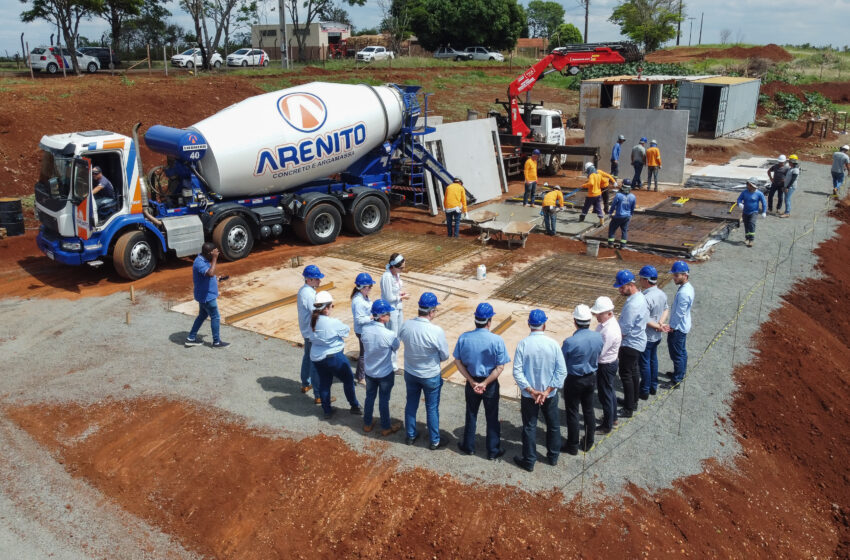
x=592 y=248
x=481 y=272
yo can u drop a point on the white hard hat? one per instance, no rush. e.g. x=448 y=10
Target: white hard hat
x=782 y=158
x=602 y=304
x=845 y=148
x=754 y=181
x=588 y=165
x=323 y=298
x=582 y=313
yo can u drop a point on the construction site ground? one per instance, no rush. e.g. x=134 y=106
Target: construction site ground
x=119 y=442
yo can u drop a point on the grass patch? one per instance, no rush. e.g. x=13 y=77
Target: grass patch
x=38 y=97
x=65 y=95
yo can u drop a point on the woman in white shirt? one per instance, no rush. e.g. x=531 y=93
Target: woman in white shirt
x=392 y=291
x=326 y=353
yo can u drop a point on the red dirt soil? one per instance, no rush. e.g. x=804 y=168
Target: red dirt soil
x=685 y=54
x=837 y=92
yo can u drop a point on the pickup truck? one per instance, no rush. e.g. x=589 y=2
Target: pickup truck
x=371 y=53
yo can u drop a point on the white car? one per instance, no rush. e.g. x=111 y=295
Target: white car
x=482 y=53
x=248 y=57
x=192 y=57
x=48 y=59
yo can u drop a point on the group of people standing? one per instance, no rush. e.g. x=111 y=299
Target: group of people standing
x=641 y=157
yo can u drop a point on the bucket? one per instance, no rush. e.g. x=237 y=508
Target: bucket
x=481 y=272
x=592 y=248
x=12 y=216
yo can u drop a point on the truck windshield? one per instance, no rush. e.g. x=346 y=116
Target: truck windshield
x=55 y=174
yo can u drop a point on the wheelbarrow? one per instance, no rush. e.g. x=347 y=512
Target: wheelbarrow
x=511 y=232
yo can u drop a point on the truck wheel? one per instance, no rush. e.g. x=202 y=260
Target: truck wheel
x=133 y=256
x=321 y=225
x=52 y=68
x=368 y=216
x=233 y=237
x=91 y=68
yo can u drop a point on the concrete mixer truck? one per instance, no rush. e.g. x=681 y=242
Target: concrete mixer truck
x=313 y=158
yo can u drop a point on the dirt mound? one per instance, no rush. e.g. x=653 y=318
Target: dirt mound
x=837 y=92
x=792 y=139
x=684 y=54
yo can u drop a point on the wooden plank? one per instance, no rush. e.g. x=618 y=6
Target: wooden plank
x=502 y=327
x=292 y=298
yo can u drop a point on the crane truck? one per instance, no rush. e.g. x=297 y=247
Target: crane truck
x=314 y=158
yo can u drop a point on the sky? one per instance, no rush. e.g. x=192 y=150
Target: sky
x=750 y=21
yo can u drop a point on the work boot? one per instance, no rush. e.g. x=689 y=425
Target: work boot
x=610 y=242
x=581 y=218
x=601 y=221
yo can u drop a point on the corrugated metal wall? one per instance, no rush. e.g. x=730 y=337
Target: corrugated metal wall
x=740 y=106
x=690 y=99
x=635 y=96
x=588 y=99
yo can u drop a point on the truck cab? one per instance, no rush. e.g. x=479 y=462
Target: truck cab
x=547 y=126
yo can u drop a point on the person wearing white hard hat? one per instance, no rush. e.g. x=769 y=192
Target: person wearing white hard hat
x=840 y=166
x=776 y=174
x=392 y=291
x=581 y=356
x=792 y=181
x=606 y=373
x=752 y=203
x=597 y=182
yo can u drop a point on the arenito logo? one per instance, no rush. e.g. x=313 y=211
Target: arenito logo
x=303 y=111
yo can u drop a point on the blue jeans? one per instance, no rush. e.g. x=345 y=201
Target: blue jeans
x=638 y=165
x=788 y=193
x=453 y=223
x=431 y=387
x=528 y=195
x=676 y=345
x=550 y=218
x=373 y=386
x=651 y=171
x=490 y=398
x=649 y=367
x=622 y=224
x=605 y=377
x=837 y=180
x=552 y=416
x=309 y=375
x=335 y=365
x=207 y=309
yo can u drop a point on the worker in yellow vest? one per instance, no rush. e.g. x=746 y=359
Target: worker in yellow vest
x=553 y=201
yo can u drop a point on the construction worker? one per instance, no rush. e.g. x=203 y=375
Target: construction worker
x=621 y=210
x=792 y=180
x=752 y=203
x=840 y=165
x=553 y=202
x=596 y=182
x=530 y=172
x=480 y=356
x=656 y=301
x=425 y=347
x=581 y=356
x=633 y=319
x=328 y=342
x=776 y=174
x=206 y=294
x=306 y=296
x=638 y=161
x=361 y=310
x=539 y=371
x=378 y=344
x=606 y=373
x=392 y=291
x=680 y=323
x=615 y=156
x=455 y=206
x=104 y=194
x=653 y=164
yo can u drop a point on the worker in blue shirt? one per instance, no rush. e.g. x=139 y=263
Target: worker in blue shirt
x=615 y=155
x=539 y=370
x=104 y=194
x=656 y=301
x=680 y=322
x=328 y=342
x=206 y=294
x=581 y=355
x=480 y=356
x=621 y=210
x=361 y=309
x=752 y=203
x=425 y=347
x=633 y=319
x=306 y=295
x=379 y=343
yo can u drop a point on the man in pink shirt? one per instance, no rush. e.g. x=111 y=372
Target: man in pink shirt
x=609 y=328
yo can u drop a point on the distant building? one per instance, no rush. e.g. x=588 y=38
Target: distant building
x=320 y=34
x=533 y=47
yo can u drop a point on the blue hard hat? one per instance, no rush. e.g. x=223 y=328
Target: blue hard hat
x=536 y=318
x=381 y=307
x=428 y=301
x=624 y=277
x=312 y=271
x=363 y=279
x=680 y=267
x=643 y=139
x=648 y=272
x=627 y=182
x=536 y=152
x=484 y=311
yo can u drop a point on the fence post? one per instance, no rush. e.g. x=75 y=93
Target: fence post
x=32 y=74
x=149 y=60
x=165 y=61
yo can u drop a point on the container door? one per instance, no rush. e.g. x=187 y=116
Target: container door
x=589 y=99
x=85 y=210
x=690 y=99
x=721 y=112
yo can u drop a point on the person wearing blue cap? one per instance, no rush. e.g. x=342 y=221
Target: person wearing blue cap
x=304 y=304
x=392 y=291
x=633 y=319
x=539 y=370
x=656 y=301
x=480 y=356
x=621 y=210
x=530 y=173
x=379 y=343
x=680 y=323
x=581 y=356
x=361 y=309
x=638 y=161
x=615 y=155
x=425 y=347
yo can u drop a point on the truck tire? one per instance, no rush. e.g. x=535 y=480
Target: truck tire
x=52 y=68
x=91 y=68
x=321 y=225
x=133 y=256
x=233 y=237
x=366 y=217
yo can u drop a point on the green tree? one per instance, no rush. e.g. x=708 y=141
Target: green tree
x=116 y=12
x=496 y=23
x=150 y=27
x=544 y=18
x=66 y=15
x=650 y=22
x=566 y=34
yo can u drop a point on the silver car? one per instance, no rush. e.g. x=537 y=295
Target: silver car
x=483 y=53
x=451 y=54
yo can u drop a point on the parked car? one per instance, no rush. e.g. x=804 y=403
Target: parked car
x=49 y=59
x=371 y=53
x=483 y=53
x=248 y=57
x=102 y=56
x=451 y=54
x=192 y=57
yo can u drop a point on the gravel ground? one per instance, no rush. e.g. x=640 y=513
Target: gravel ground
x=85 y=351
